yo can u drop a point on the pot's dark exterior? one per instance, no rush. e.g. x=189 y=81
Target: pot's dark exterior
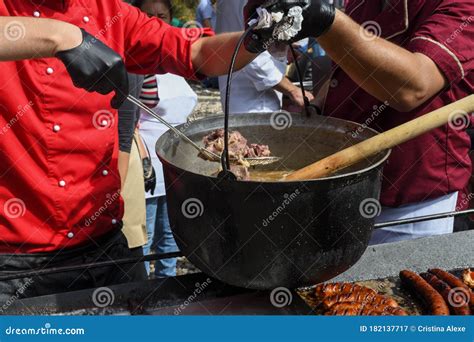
x=267 y=235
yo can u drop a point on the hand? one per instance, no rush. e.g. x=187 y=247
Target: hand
x=97 y=68
x=150 y=175
x=296 y=97
x=318 y=17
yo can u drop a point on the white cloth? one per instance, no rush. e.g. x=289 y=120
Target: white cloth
x=177 y=101
x=416 y=230
x=252 y=86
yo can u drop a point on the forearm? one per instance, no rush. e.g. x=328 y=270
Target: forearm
x=286 y=87
x=384 y=70
x=211 y=56
x=26 y=38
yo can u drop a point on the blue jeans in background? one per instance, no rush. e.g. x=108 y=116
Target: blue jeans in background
x=160 y=237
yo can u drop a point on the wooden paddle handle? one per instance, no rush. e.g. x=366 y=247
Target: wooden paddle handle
x=454 y=113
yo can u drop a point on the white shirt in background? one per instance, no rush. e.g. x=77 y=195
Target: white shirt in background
x=205 y=10
x=252 y=87
x=177 y=101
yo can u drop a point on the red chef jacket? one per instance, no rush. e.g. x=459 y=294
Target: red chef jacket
x=436 y=163
x=59 y=182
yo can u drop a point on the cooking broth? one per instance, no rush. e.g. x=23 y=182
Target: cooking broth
x=267 y=176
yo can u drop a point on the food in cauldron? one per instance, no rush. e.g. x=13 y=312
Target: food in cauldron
x=239 y=149
x=238 y=145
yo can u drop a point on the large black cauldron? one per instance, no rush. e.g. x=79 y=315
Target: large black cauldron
x=266 y=235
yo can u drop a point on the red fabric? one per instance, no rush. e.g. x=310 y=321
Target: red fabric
x=436 y=163
x=36 y=213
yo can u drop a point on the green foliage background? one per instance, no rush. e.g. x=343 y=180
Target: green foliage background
x=185 y=9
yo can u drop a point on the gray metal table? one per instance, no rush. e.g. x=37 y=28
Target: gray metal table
x=448 y=252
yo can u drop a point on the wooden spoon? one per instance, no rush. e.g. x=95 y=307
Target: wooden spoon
x=451 y=113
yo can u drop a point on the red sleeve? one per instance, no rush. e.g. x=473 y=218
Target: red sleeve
x=154 y=47
x=446 y=37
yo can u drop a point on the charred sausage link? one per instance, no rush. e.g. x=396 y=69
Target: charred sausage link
x=327 y=290
x=456 y=284
x=358 y=297
x=382 y=311
x=432 y=299
x=361 y=309
x=457 y=306
x=468 y=278
x=365 y=297
x=382 y=300
x=345 y=309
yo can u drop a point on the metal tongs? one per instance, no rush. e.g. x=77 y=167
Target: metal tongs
x=212 y=156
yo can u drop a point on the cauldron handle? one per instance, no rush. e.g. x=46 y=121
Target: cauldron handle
x=423 y=218
x=308 y=107
x=225 y=158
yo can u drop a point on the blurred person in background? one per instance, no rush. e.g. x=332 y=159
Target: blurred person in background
x=206 y=14
x=131 y=170
x=260 y=86
x=172 y=98
x=206 y=17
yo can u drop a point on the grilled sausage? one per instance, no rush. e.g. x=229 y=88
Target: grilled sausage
x=382 y=300
x=468 y=278
x=455 y=283
x=357 y=297
x=457 y=306
x=365 y=297
x=345 y=312
x=362 y=309
x=345 y=309
x=348 y=305
x=331 y=289
x=432 y=299
x=382 y=311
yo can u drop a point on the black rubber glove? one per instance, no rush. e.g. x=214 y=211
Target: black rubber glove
x=318 y=18
x=150 y=175
x=97 y=68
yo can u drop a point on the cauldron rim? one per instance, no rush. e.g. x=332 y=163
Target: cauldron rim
x=375 y=165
